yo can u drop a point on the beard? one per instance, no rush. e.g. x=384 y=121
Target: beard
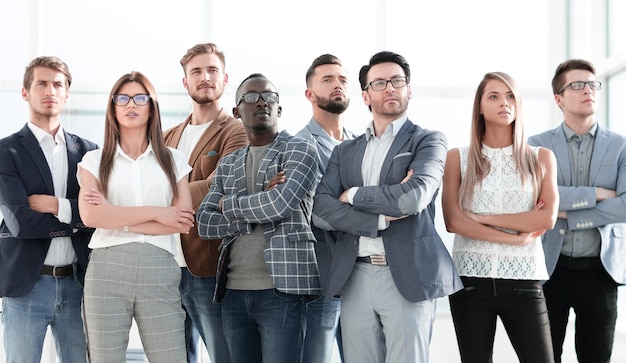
x=204 y=98
x=332 y=106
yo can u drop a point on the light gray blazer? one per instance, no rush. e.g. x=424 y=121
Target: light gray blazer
x=607 y=170
x=419 y=262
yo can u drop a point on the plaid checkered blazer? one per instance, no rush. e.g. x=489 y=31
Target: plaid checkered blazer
x=284 y=212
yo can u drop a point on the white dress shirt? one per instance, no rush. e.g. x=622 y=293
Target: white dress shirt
x=373 y=158
x=61 y=251
x=139 y=182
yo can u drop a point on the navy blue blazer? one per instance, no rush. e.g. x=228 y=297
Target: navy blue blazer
x=420 y=264
x=25 y=234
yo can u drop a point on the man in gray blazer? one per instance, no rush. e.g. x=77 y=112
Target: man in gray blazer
x=586 y=250
x=378 y=193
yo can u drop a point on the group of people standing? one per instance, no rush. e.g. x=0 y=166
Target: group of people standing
x=268 y=247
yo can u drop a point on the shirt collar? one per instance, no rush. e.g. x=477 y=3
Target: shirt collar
x=119 y=151
x=569 y=133
x=491 y=152
x=394 y=127
x=40 y=134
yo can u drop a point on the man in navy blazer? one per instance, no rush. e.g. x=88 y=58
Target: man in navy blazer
x=378 y=193
x=586 y=250
x=43 y=244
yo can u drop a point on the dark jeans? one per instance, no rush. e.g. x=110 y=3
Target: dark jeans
x=262 y=325
x=320 y=329
x=521 y=306
x=593 y=296
x=203 y=318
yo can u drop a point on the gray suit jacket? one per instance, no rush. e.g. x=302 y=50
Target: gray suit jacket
x=419 y=262
x=607 y=170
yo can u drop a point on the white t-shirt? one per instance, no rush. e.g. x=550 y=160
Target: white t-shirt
x=501 y=192
x=139 y=182
x=188 y=141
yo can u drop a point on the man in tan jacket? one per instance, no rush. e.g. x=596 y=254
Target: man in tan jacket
x=207 y=135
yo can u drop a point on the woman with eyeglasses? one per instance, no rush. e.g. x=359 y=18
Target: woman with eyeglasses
x=499 y=196
x=134 y=191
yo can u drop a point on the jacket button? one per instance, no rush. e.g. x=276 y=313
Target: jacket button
x=561 y=231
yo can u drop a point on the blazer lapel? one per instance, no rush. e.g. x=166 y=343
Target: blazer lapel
x=208 y=134
x=561 y=151
x=600 y=147
x=74 y=156
x=270 y=154
x=239 y=172
x=355 y=161
x=31 y=145
x=402 y=137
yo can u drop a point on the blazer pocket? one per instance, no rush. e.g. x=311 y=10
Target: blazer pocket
x=303 y=234
x=208 y=163
x=619 y=232
x=402 y=155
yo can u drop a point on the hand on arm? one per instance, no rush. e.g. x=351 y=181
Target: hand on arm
x=44 y=203
x=603 y=193
x=97 y=212
x=408 y=176
x=543 y=216
x=277 y=179
x=459 y=222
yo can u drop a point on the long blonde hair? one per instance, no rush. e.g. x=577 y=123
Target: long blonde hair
x=526 y=162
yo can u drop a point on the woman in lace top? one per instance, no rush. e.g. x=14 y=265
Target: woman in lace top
x=499 y=196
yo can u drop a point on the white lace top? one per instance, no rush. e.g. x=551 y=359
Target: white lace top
x=501 y=192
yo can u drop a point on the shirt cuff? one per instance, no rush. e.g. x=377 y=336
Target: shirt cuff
x=382 y=223
x=351 y=192
x=65 y=211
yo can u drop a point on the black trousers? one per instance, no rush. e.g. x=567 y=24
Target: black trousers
x=521 y=306
x=592 y=293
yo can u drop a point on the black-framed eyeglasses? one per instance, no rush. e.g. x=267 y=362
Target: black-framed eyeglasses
x=578 y=85
x=123 y=100
x=381 y=84
x=253 y=97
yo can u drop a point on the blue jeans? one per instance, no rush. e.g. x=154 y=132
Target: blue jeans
x=53 y=302
x=319 y=330
x=203 y=318
x=262 y=326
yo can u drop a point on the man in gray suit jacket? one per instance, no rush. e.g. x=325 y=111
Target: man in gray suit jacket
x=586 y=250
x=378 y=193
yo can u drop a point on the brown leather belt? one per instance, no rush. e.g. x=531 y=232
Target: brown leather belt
x=378 y=260
x=57 y=271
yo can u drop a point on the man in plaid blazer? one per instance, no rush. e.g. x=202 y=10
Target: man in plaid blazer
x=260 y=205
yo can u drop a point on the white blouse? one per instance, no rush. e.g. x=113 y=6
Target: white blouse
x=501 y=192
x=139 y=182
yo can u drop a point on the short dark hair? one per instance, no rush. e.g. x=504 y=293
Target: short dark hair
x=253 y=75
x=320 y=61
x=569 y=65
x=384 y=57
x=50 y=62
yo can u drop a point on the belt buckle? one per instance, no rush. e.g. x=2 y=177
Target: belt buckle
x=54 y=271
x=378 y=260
